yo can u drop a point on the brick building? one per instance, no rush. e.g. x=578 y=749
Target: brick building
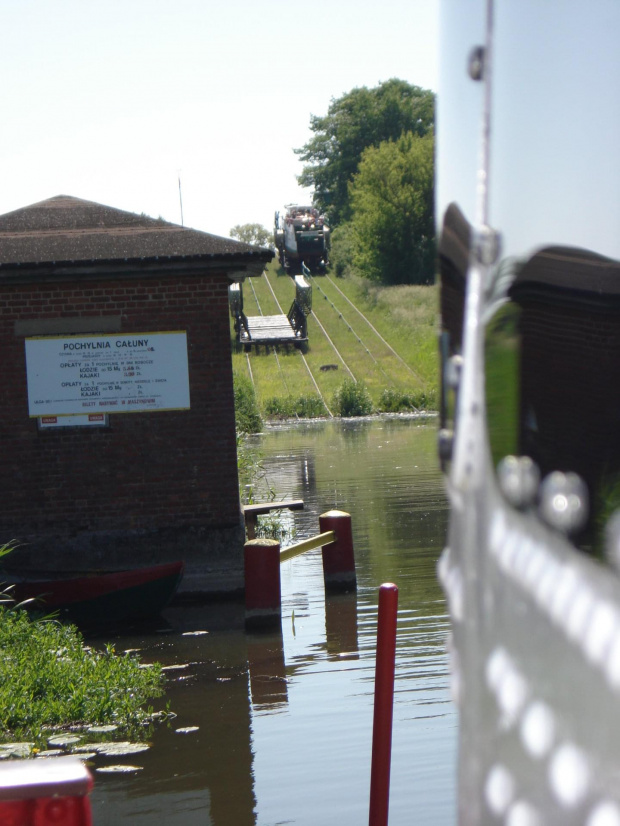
x=84 y=484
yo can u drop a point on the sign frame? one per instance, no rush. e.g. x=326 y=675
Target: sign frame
x=107 y=373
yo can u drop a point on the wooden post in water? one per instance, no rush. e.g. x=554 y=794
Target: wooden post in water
x=338 y=556
x=263 y=601
x=384 y=705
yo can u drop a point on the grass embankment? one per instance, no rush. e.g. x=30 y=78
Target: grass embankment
x=383 y=338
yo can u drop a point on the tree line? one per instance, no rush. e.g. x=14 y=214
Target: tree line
x=371 y=165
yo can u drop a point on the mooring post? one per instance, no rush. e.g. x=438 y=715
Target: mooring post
x=263 y=602
x=338 y=556
x=384 y=706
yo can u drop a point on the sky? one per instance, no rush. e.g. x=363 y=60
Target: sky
x=114 y=101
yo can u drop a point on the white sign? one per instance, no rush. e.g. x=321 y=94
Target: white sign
x=107 y=374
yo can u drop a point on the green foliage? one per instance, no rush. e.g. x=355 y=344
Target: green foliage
x=395 y=401
x=342 y=250
x=247 y=414
x=273 y=526
x=249 y=466
x=352 y=399
x=255 y=234
x=289 y=407
x=49 y=678
x=360 y=118
x=502 y=381
x=393 y=205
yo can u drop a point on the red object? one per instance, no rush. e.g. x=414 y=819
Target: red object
x=338 y=556
x=102 y=598
x=384 y=706
x=45 y=792
x=263 y=600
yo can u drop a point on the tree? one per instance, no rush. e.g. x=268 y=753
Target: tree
x=359 y=119
x=393 y=204
x=255 y=234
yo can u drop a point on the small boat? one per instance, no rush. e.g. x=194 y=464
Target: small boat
x=101 y=599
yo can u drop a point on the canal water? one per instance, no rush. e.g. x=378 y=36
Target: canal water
x=277 y=728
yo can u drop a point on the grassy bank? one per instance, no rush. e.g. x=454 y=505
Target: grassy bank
x=49 y=679
x=384 y=338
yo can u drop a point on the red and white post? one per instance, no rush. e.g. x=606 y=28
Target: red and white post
x=263 y=600
x=338 y=556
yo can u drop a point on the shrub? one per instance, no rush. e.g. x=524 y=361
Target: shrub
x=395 y=401
x=247 y=414
x=289 y=407
x=352 y=399
x=49 y=678
x=342 y=250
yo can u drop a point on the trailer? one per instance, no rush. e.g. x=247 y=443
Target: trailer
x=272 y=329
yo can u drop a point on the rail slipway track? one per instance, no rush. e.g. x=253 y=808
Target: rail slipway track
x=342 y=341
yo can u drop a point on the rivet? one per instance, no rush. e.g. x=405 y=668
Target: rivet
x=606 y=813
x=538 y=729
x=499 y=789
x=512 y=694
x=612 y=666
x=522 y=813
x=534 y=566
x=497 y=665
x=579 y=612
x=569 y=775
x=564 y=593
x=547 y=584
x=600 y=631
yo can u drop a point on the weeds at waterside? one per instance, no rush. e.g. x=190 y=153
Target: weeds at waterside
x=247 y=414
x=50 y=679
x=352 y=399
x=394 y=401
x=289 y=407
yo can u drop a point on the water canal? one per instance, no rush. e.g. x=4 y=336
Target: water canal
x=276 y=729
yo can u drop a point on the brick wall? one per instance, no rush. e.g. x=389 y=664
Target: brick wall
x=150 y=487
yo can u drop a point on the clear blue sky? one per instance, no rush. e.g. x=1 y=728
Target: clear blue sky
x=110 y=101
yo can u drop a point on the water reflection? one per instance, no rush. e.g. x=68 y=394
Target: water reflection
x=285 y=719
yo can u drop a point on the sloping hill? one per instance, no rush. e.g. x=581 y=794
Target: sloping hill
x=384 y=337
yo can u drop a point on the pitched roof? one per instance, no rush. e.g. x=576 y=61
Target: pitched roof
x=71 y=231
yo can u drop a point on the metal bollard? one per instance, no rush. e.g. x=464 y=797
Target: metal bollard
x=263 y=601
x=45 y=792
x=384 y=706
x=338 y=556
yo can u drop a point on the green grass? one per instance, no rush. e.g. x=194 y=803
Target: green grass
x=397 y=357
x=50 y=679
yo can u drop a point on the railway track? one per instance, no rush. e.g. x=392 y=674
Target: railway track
x=340 y=338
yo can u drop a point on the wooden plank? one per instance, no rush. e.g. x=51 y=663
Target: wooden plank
x=251 y=512
x=267 y=507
